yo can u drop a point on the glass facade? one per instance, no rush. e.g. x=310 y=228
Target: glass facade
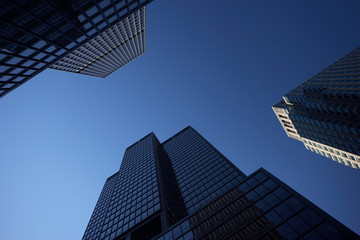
x=35 y=34
x=260 y=207
x=135 y=192
x=326 y=108
x=95 y=225
x=108 y=51
x=201 y=171
x=185 y=189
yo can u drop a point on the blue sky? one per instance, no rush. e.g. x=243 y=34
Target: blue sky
x=213 y=65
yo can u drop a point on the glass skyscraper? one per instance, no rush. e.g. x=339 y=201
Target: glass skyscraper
x=185 y=189
x=324 y=111
x=88 y=37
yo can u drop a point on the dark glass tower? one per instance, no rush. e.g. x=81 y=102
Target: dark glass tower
x=185 y=189
x=86 y=36
x=324 y=111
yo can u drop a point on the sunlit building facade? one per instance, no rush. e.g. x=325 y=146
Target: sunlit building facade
x=88 y=37
x=108 y=51
x=324 y=112
x=185 y=189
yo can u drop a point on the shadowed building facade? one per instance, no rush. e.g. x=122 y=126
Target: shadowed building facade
x=88 y=37
x=324 y=112
x=185 y=189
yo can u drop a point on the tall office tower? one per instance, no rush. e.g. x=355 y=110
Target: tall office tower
x=185 y=189
x=88 y=37
x=324 y=111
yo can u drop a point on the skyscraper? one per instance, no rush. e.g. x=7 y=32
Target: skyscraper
x=88 y=37
x=184 y=188
x=324 y=112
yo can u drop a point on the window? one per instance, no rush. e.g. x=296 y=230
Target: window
x=39 y=44
x=92 y=11
x=14 y=60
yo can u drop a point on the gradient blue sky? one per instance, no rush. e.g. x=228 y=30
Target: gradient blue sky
x=216 y=65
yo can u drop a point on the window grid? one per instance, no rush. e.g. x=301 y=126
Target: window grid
x=258 y=208
x=41 y=31
x=199 y=185
x=135 y=195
